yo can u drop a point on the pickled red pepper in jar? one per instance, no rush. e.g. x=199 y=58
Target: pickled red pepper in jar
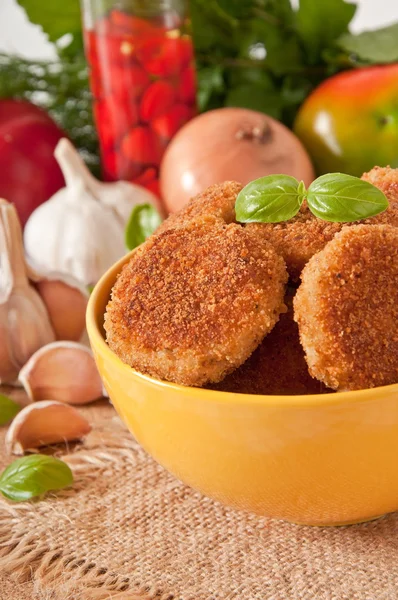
x=142 y=77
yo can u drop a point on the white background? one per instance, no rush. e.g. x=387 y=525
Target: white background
x=17 y=35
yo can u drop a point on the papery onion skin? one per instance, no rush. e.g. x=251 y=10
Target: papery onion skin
x=229 y=144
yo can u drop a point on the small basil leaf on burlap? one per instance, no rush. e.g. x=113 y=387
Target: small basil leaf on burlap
x=33 y=475
x=343 y=198
x=8 y=409
x=270 y=199
x=144 y=220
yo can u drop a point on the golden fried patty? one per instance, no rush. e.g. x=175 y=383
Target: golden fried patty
x=347 y=309
x=217 y=201
x=278 y=365
x=386 y=179
x=303 y=236
x=298 y=239
x=195 y=303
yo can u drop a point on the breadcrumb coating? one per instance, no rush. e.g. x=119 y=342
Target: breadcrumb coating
x=303 y=236
x=196 y=302
x=277 y=366
x=347 y=309
x=298 y=239
x=217 y=202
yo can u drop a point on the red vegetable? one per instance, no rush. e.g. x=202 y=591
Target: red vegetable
x=117 y=166
x=154 y=186
x=187 y=86
x=125 y=83
x=166 y=57
x=126 y=23
x=225 y=144
x=113 y=116
x=157 y=99
x=168 y=124
x=143 y=82
x=29 y=173
x=141 y=145
x=146 y=176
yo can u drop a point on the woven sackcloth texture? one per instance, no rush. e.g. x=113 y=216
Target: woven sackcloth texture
x=128 y=530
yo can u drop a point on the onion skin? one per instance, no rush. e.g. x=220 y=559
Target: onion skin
x=229 y=144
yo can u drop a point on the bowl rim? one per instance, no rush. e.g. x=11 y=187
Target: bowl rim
x=98 y=342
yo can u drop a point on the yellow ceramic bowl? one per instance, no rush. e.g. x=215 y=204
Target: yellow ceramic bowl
x=325 y=459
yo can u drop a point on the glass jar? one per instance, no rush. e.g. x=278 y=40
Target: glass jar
x=142 y=77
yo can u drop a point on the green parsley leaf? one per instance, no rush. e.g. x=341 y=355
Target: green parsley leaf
x=321 y=22
x=263 y=97
x=210 y=84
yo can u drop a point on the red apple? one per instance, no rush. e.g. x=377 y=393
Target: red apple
x=29 y=173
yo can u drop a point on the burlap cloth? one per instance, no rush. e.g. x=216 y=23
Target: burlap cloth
x=128 y=530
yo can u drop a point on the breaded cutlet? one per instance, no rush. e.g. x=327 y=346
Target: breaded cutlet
x=277 y=366
x=347 y=309
x=303 y=236
x=196 y=302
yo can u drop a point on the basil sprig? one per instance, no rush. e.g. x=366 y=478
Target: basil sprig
x=8 y=409
x=32 y=476
x=334 y=197
x=144 y=220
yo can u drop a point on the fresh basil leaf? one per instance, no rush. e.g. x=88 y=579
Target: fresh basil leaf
x=33 y=475
x=343 y=198
x=270 y=199
x=320 y=23
x=56 y=17
x=8 y=409
x=379 y=46
x=143 y=221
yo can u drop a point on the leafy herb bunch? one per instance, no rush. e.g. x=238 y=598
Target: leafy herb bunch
x=265 y=55
x=259 y=54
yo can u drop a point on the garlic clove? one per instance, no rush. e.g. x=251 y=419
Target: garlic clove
x=66 y=307
x=65 y=298
x=66 y=301
x=24 y=321
x=64 y=371
x=44 y=423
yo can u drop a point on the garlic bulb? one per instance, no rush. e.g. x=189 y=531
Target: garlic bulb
x=80 y=230
x=24 y=321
